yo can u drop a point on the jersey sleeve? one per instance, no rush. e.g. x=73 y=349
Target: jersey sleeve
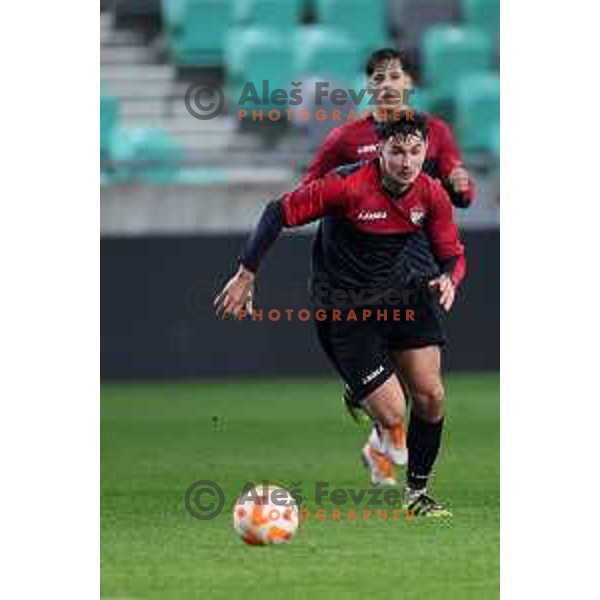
x=264 y=235
x=449 y=157
x=326 y=196
x=329 y=156
x=303 y=205
x=443 y=235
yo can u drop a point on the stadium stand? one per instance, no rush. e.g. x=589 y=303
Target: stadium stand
x=150 y=95
x=109 y=114
x=283 y=15
x=484 y=15
x=152 y=51
x=364 y=22
x=179 y=194
x=477 y=104
x=409 y=18
x=144 y=154
x=197 y=30
x=327 y=53
x=450 y=52
x=257 y=55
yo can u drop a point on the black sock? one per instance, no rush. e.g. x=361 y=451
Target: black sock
x=423 y=446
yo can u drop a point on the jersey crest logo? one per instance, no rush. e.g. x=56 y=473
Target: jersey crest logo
x=372 y=215
x=417 y=214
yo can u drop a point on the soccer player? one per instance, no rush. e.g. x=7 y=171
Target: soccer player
x=357 y=140
x=387 y=77
x=385 y=225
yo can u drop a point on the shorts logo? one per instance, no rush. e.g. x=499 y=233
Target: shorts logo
x=372 y=375
x=372 y=215
x=417 y=215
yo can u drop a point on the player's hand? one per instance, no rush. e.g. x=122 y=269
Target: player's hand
x=237 y=294
x=459 y=179
x=444 y=286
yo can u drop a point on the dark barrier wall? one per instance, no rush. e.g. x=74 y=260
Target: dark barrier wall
x=157 y=319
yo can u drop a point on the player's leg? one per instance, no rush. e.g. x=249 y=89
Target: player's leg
x=421 y=371
x=387 y=406
x=361 y=357
x=355 y=410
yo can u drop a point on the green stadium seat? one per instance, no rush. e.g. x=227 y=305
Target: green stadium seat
x=197 y=30
x=327 y=53
x=278 y=14
x=495 y=139
x=254 y=55
x=172 y=12
x=147 y=155
x=365 y=21
x=483 y=14
x=449 y=53
x=109 y=118
x=477 y=107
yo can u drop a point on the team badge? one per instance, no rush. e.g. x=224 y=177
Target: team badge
x=417 y=214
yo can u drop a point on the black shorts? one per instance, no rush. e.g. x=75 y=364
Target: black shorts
x=360 y=349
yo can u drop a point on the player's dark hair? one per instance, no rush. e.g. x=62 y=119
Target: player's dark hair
x=407 y=122
x=384 y=55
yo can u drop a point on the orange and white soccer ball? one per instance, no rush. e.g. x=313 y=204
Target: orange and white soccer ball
x=266 y=515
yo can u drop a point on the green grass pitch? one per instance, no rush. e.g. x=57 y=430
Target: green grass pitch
x=158 y=438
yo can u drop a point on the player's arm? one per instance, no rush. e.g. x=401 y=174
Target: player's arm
x=329 y=156
x=449 y=251
x=455 y=177
x=303 y=205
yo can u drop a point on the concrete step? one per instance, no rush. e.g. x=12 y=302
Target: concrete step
x=125 y=55
x=119 y=37
x=153 y=88
x=150 y=109
x=209 y=141
x=139 y=73
x=157 y=113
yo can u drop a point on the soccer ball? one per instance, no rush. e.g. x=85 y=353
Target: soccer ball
x=265 y=515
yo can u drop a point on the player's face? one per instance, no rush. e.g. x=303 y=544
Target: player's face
x=402 y=158
x=389 y=83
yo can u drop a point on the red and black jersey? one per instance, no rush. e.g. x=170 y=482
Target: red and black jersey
x=369 y=239
x=357 y=141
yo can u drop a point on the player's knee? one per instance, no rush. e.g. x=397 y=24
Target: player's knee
x=429 y=401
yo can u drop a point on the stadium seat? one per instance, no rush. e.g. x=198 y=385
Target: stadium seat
x=365 y=21
x=197 y=29
x=327 y=53
x=483 y=14
x=109 y=117
x=254 y=55
x=495 y=139
x=477 y=106
x=146 y=155
x=279 y=14
x=449 y=53
x=409 y=18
